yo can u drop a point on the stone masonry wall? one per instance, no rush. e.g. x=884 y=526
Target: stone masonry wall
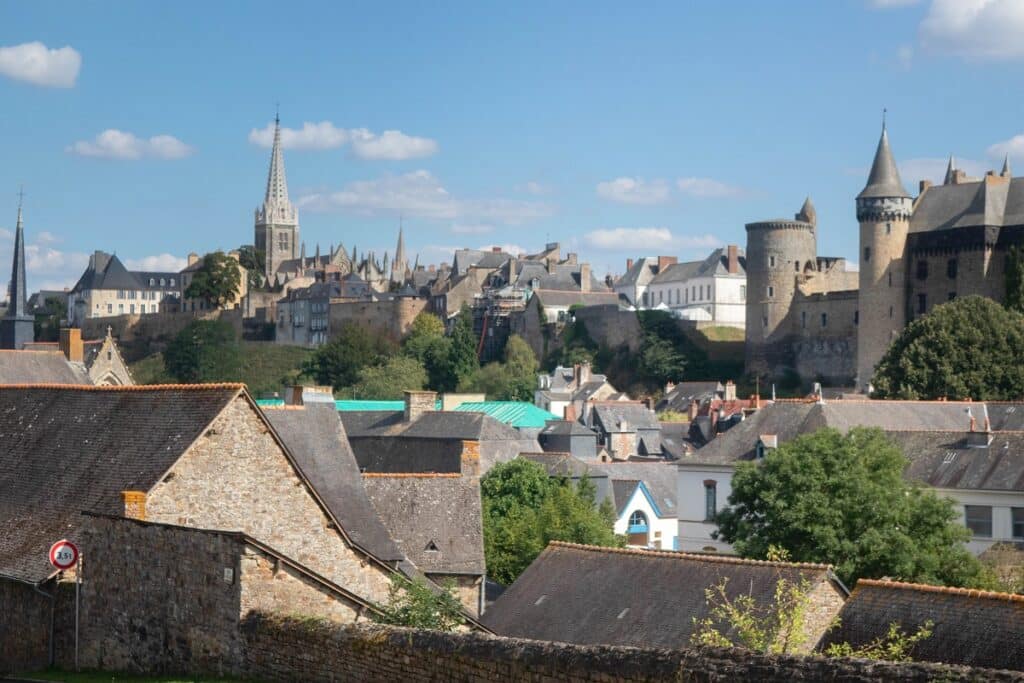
x=393 y=318
x=130 y=328
x=269 y=586
x=236 y=478
x=24 y=627
x=280 y=649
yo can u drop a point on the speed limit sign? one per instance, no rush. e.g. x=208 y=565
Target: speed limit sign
x=63 y=554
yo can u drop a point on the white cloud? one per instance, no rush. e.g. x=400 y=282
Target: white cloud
x=634 y=191
x=975 y=29
x=117 y=144
x=890 y=4
x=1014 y=147
x=45 y=266
x=391 y=145
x=323 y=135
x=421 y=195
x=913 y=170
x=707 y=188
x=167 y=263
x=471 y=228
x=35 y=63
x=535 y=188
x=644 y=239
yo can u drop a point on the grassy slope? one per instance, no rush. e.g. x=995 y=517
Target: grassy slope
x=266 y=367
x=721 y=333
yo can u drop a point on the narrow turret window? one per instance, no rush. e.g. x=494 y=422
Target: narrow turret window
x=888 y=228
x=803 y=319
x=771 y=291
x=922 y=303
x=922 y=270
x=951 y=268
x=867 y=254
x=824 y=319
x=856 y=317
x=771 y=261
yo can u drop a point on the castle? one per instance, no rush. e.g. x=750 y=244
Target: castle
x=812 y=315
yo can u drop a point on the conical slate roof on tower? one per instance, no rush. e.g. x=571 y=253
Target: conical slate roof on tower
x=884 y=179
x=16 y=289
x=277 y=184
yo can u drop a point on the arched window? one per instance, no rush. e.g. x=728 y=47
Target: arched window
x=637 y=522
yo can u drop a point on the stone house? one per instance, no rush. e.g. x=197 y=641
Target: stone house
x=436 y=520
x=201 y=456
x=593 y=596
x=567 y=392
x=69 y=361
x=969 y=627
x=303 y=314
x=108 y=289
x=625 y=429
x=969 y=452
x=713 y=290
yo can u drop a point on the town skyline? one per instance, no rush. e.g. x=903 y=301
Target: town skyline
x=672 y=156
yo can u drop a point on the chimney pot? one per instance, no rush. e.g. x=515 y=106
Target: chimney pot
x=71 y=344
x=733 y=259
x=629 y=264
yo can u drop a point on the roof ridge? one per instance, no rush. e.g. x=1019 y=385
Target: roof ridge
x=412 y=475
x=136 y=387
x=947 y=590
x=690 y=556
x=53 y=350
x=283 y=406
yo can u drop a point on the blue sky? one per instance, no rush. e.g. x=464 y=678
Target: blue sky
x=616 y=129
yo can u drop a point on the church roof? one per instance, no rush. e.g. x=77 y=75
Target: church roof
x=884 y=179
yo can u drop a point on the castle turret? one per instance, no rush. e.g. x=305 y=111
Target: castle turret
x=779 y=252
x=883 y=210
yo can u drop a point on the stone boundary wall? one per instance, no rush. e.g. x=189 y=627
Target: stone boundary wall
x=152 y=326
x=283 y=649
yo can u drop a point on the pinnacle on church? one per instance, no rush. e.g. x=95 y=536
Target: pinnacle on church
x=1006 y=172
x=884 y=179
x=16 y=304
x=950 y=171
x=277 y=184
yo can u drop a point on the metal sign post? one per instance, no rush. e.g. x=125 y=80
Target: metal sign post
x=64 y=555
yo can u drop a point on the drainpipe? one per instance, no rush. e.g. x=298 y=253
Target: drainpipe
x=50 y=597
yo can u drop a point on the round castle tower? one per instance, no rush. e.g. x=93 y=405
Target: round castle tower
x=778 y=252
x=883 y=210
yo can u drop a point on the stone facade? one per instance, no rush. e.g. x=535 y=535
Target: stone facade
x=286 y=650
x=236 y=477
x=392 y=317
x=24 y=628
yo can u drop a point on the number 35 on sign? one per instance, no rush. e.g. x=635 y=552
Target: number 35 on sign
x=63 y=554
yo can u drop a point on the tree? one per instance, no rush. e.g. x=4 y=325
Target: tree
x=512 y=380
x=339 y=362
x=894 y=646
x=47 y=322
x=254 y=261
x=463 y=356
x=1015 y=279
x=524 y=509
x=205 y=351
x=426 y=329
x=415 y=604
x=660 y=360
x=217 y=281
x=967 y=348
x=427 y=344
x=842 y=500
x=391 y=379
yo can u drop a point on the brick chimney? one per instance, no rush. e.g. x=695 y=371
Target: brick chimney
x=733 y=252
x=584 y=277
x=571 y=258
x=629 y=264
x=664 y=262
x=470 y=458
x=496 y=250
x=417 y=403
x=71 y=344
x=134 y=504
x=569 y=413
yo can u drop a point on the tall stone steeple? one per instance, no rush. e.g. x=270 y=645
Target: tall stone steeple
x=17 y=326
x=400 y=265
x=277 y=221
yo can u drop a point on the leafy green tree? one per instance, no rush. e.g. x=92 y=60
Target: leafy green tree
x=415 y=604
x=842 y=499
x=339 y=362
x=895 y=646
x=205 y=351
x=254 y=261
x=511 y=380
x=463 y=356
x=426 y=329
x=660 y=360
x=490 y=379
x=427 y=343
x=47 y=323
x=217 y=281
x=967 y=348
x=1015 y=279
x=391 y=379
x=524 y=509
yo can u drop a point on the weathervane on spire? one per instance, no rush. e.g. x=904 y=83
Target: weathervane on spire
x=884 y=110
x=277 y=112
x=21 y=196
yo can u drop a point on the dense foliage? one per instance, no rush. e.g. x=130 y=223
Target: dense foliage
x=48 y=321
x=842 y=500
x=205 y=351
x=416 y=604
x=524 y=509
x=967 y=348
x=339 y=362
x=463 y=355
x=217 y=281
x=254 y=261
x=427 y=343
x=390 y=380
x=511 y=380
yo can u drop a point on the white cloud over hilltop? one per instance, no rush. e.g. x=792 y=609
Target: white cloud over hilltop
x=707 y=188
x=160 y=263
x=391 y=145
x=37 y=64
x=117 y=144
x=975 y=29
x=634 y=240
x=634 y=191
x=420 y=194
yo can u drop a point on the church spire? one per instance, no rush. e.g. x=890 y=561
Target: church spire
x=1006 y=172
x=17 y=327
x=277 y=184
x=884 y=179
x=950 y=171
x=400 y=265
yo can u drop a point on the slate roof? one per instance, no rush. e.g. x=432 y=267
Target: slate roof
x=40 y=367
x=561 y=464
x=105 y=271
x=964 y=460
x=884 y=178
x=435 y=519
x=995 y=202
x=632 y=276
x=636 y=416
x=622 y=492
x=69 y=449
x=660 y=478
x=608 y=596
x=683 y=393
x=970 y=627
x=564 y=277
x=717 y=263
x=316 y=439
x=549 y=297
x=566 y=428
x=518 y=414
x=789 y=419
